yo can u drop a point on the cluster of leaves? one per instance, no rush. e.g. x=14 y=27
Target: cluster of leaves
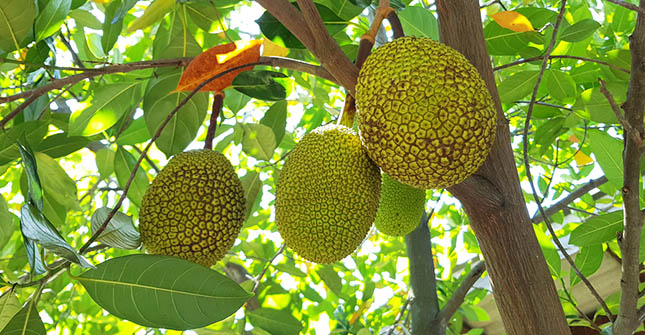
x=70 y=153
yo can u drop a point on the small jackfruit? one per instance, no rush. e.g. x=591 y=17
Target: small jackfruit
x=400 y=208
x=194 y=208
x=327 y=195
x=424 y=113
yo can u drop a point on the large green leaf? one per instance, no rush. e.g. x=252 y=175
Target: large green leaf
x=275 y=321
x=597 y=230
x=596 y=105
x=35 y=130
x=588 y=261
x=9 y=306
x=51 y=17
x=258 y=141
x=579 y=31
x=59 y=145
x=276 y=119
x=25 y=322
x=105 y=162
x=112 y=24
x=109 y=103
x=609 y=154
x=123 y=165
x=56 y=182
x=261 y=84
x=182 y=129
x=418 y=21
x=16 y=19
x=163 y=291
x=560 y=84
x=502 y=41
x=517 y=86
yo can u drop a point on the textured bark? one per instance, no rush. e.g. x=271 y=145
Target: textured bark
x=522 y=285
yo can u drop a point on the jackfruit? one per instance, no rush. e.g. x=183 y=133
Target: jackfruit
x=400 y=208
x=194 y=208
x=424 y=113
x=327 y=195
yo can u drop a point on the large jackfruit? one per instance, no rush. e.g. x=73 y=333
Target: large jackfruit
x=327 y=195
x=400 y=209
x=194 y=208
x=424 y=113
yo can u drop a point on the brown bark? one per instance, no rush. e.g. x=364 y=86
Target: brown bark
x=524 y=290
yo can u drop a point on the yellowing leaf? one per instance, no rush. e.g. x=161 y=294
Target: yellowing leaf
x=216 y=60
x=582 y=159
x=269 y=48
x=155 y=12
x=513 y=20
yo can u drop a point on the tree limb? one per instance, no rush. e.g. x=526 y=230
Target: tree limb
x=532 y=59
x=627 y=127
x=460 y=294
x=562 y=204
x=628 y=5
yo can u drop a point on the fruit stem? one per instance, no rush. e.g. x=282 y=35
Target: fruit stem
x=218 y=101
x=349 y=112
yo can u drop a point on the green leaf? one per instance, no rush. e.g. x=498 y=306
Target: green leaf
x=112 y=25
x=136 y=133
x=53 y=211
x=290 y=269
x=37 y=228
x=579 y=31
x=59 y=145
x=162 y=291
x=16 y=19
x=182 y=129
x=37 y=54
x=609 y=155
x=597 y=230
x=7 y=226
x=276 y=119
x=551 y=255
x=588 y=261
x=56 y=182
x=596 y=105
x=123 y=165
x=25 y=322
x=51 y=17
x=235 y=100
x=418 y=21
x=275 y=321
x=258 y=141
x=502 y=41
x=35 y=190
x=120 y=231
x=517 y=86
x=622 y=20
x=560 y=84
x=261 y=84
x=109 y=103
x=86 y=19
x=105 y=162
x=9 y=306
x=175 y=41
x=252 y=188
x=35 y=130
x=330 y=277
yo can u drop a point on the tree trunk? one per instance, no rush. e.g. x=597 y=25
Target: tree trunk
x=522 y=285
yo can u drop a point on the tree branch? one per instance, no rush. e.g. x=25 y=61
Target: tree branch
x=628 y=5
x=562 y=204
x=634 y=107
x=619 y=115
x=460 y=294
x=532 y=59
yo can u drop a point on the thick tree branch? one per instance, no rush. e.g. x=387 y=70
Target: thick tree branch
x=460 y=294
x=564 y=203
x=532 y=59
x=634 y=107
x=628 y=5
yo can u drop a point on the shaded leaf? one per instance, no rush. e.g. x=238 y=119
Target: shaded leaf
x=276 y=119
x=261 y=85
x=609 y=154
x=154 y=13
x=25 y=322
x=7 y=226
x=560 y=84
x=588 y=261
x=330 y=277
x=59 y=145
x=252 y=188
x=123 y=165
x=120 y=231
x=16 y=19
x=56 y=183
x=596 y=105
x=9 y=306
x=275 y=321
x=9 y=138
x=136 y=133
x=51 y=17
x=162 y=291
x=235 y=100
x=258 y=141
x=579 y=31
x=597 y=230
x=418 y=21
x=517 y=86
x=105 y=162
x=217 y=60
x=37 y=228
x=112 y=24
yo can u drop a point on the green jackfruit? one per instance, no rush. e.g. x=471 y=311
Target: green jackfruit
x=327 y=195
x=424 y=113
x=194 y=208
x=400 y=208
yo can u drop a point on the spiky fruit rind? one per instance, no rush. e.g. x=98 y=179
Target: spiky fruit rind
x=400 y=208
x=424 y=113
x=194 y=208
x=327 y=195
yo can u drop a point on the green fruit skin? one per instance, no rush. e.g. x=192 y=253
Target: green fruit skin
x=400 y=208
x=194 y=208
x=327 y=195
x=424 y=113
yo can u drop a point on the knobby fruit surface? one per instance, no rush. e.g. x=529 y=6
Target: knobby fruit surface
x=424 y=113
x=400 y=208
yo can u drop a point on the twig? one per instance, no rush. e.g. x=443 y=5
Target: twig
x=218 y=102
x=147 y=158
x=298 y=65
x=619 y=115
x=562 y=204
x=526 y=60
x=17 y=111
x=460 y=294
x=400 y=315
x=77 y=60
x=145 y=150
x=264 y=271
x=545 y=104
x=628 y=6
x=527 y=166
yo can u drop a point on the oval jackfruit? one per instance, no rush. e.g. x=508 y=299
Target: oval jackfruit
x=424 y=113
x=400 y=208
x=194 y=208
x=327 y=195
